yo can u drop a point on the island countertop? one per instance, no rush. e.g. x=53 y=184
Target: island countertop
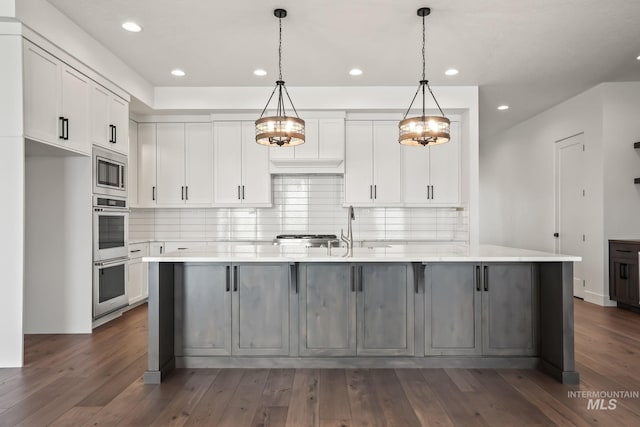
x=384 y=253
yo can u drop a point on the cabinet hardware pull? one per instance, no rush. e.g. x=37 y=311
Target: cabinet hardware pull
x=161 y=249
x=61 y=136
x=375 y=191
x=428 y=192
x=478 y=278
x=371 y=192
x=135 y=250
x=243 y=192
x=66 y=129
x=111 y=134
x=352 y=273
x=153 y=192
x=486 y=278
x=623 y=271
x=182 y=193
x=360 y=278
x=115 y=134
x=182 y=249
x=433 y=193
x=235 y=278
x=294 y=276
x=620 y=250
x=186 y=192
x=228 y=278
x=416 y=279
x=238 y=192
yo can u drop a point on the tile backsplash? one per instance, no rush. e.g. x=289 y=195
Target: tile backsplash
x=301 y=204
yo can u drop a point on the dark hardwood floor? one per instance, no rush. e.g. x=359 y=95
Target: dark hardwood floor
x=96 y=380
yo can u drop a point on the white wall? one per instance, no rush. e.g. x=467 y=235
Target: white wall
x=58 y=243
x=621 y=161
x=517 y=170
x=11 y=192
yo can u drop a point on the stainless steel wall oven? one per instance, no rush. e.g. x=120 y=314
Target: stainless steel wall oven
x=110 y=254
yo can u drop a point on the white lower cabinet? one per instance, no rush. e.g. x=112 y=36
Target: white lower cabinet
x=138 y=285
x=183 y=245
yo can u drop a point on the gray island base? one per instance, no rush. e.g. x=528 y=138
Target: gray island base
x=415 y=307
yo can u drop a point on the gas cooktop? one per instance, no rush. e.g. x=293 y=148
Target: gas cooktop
x=308 y=240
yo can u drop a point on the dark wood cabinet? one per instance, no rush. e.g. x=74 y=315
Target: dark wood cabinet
x=624 y=283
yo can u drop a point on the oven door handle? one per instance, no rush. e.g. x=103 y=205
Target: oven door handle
x=111 y=262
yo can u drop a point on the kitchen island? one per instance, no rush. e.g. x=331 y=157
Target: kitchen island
x=388 y=306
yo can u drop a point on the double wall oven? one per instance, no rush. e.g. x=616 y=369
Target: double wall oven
x=110 y=230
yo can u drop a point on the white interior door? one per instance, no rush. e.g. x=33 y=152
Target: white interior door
x=570 y=193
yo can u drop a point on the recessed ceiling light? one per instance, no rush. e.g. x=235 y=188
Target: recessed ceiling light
x=451 y=72
x=259 y=72
x=503 y=107
x=178 y=73
x=355 y=72
x=638 y=58
x=132 y=26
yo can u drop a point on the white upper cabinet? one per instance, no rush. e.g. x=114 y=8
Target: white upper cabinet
x=241 y=166
x=431 y=175
x=322 y=152
x=109 y=120
x=56 y=101
x=175 y=164
x=373 y=164
x=227 y=159
x=147 y=188
x=170 y=164
x=198 y=156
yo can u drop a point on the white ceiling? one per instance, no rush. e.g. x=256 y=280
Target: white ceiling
x=528 y=54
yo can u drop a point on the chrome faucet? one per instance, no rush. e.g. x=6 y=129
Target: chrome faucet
x=348 y=239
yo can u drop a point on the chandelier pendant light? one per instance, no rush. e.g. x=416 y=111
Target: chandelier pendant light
x=424 y=130
x=280 y=130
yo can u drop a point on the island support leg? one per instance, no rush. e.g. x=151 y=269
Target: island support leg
x=161 y=355
x=556 y=322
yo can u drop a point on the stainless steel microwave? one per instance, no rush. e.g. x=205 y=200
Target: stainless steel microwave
x=109 y=173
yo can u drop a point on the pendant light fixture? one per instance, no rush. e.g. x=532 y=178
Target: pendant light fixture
x=424 y=130
x=280 y=130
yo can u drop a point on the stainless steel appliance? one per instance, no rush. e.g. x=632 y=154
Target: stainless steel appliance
x=109 y=173
x=110 y=228
x=307 y=240
x=109 y=286
x=110 y=254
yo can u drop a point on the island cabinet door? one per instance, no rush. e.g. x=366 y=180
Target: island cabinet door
x=327 y=307
x=385 y=309
x=453 y=310
x=509 y=309
x=203 y=310
x=260 y=309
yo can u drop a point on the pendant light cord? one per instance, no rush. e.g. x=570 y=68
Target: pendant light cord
x=280 y=49
x=424 y=82
x=280 y=109
x=424 y=61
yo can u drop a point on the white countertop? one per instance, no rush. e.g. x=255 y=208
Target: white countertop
x=388 y=253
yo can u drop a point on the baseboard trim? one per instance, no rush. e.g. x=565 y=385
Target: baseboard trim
x=357 y=362
x=598 y=299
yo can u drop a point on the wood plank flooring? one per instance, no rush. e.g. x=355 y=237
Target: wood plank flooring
x=96 y=380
